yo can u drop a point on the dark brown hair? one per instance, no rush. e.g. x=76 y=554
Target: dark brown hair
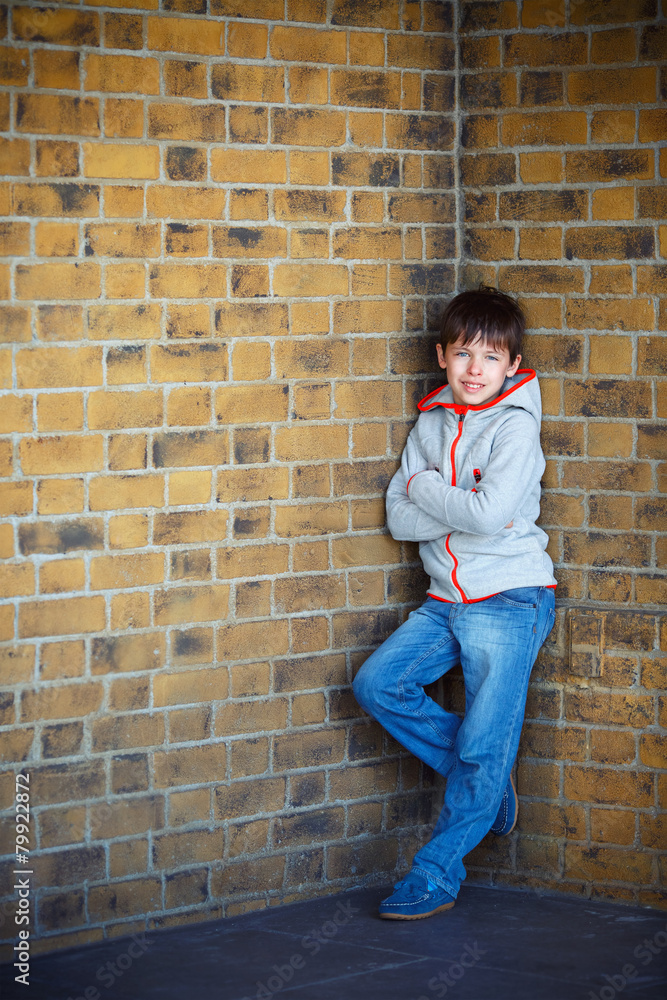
x=487 y=313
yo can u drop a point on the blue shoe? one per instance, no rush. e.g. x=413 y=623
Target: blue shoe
x=415 y=897
x=508 y=813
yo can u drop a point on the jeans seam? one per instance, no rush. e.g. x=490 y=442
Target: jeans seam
x=401 y=689
x=447 y=886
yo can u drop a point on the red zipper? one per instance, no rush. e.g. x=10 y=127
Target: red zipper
x=452 y=450
x=452 y=457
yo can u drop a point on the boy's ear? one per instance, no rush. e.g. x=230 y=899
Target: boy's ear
x=441 y=355
x=512 y=370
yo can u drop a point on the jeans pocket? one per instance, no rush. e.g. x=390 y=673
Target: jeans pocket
x=520 y=597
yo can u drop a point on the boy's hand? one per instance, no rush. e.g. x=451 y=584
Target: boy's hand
x=510 y=524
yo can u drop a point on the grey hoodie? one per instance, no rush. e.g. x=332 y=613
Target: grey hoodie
x=466 y=473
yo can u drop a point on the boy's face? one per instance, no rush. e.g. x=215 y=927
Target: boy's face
x=477 y=371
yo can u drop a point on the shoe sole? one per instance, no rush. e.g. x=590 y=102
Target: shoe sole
x=416 y=916
x=516 y=811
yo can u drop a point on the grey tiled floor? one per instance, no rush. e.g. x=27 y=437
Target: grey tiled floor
x=495 y=944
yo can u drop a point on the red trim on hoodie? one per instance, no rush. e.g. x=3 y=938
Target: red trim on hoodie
x=455 y=581
x=476 y=600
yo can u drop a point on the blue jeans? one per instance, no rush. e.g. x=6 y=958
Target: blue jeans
x=496 y=642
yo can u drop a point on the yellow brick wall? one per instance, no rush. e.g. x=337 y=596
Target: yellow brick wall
x=228 y=229
x=563 y=162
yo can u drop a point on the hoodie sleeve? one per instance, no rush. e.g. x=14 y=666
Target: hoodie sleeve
x=505 y=482
x=407 y=521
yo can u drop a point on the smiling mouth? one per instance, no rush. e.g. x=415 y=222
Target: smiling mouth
x=473 y=385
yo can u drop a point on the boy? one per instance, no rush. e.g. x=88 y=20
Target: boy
x=468 y=490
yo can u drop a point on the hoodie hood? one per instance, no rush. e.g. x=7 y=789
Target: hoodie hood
x=521 y=390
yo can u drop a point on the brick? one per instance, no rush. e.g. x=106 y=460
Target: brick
x=252 y=484
x=123 y=118
x=248 y=41
x=602 y=549
x=614 y=12
x=15 y=157
x=651 y=125
x=186 y=163
x=60 y=411
x=122 y=200
x=602 y=864
x=602 y=785
x=122 y=74
x=252 y=561
x=253 y=640
x=61 y=616
x=610 y=355
x=245 y=82
x=251 y=319
x=58 y=280
x=168 y=201
x=118 y=492
x=187 y=448
x=609 y=709
x=607 y=475
x=544 y=128
x=414 y=131
x=366 y=88
x=306 y=280
x=248 y=203
x=540 y=50
x=612 y=86
x=649 y=514
x=186 y=241
x=57 y=69
x=651 y=356
x=178 y=605
x=57 y=114
x=305 y=127
x=116 y=160
x=185 y=79
x=308 y=85
x=311 y=519
x=119 y=654
x=366 y=399
x=248 y=124
x=14 y=325
x=249 y=166
x=421 y=279
x=230 y=241
x=235 y=402
x=240 y=877
x=57 y=454
x=123 y=31
x=195 y=281
x=618 y=45
x=120 y=571
x=67 y=199
x=192 y=35
x=56 y=27
x=488 y=90
x=198 y=123
x=489 y=16
x=56 y=239
x=122 y=240
x=291 y=44
x=606 y=398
